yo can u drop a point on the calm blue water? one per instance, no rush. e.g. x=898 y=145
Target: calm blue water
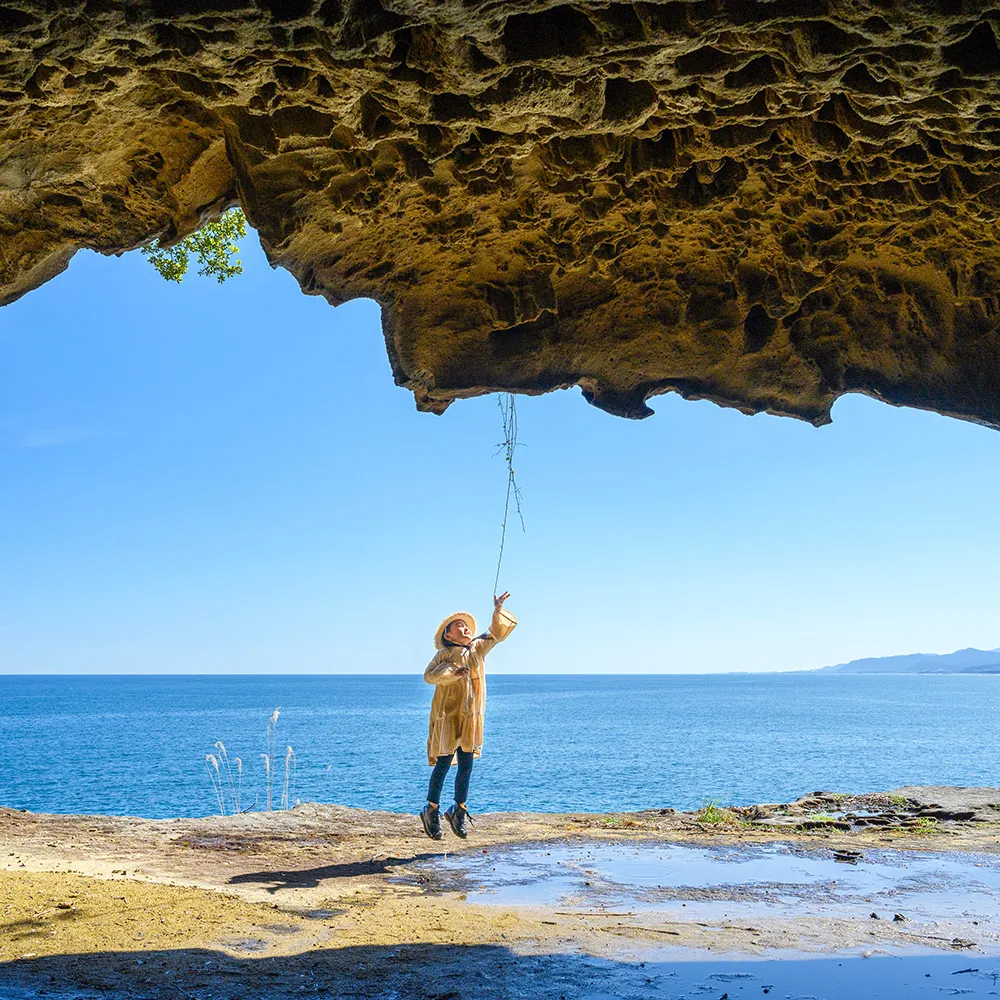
x=137 y=745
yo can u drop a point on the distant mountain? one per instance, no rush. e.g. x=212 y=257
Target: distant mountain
x=964 y=661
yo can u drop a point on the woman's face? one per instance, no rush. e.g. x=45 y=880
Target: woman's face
x=458 y=632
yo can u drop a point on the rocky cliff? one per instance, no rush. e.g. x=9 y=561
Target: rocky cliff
x=767 y=204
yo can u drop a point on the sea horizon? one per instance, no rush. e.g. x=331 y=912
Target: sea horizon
x=138 y=744
x=510 y=673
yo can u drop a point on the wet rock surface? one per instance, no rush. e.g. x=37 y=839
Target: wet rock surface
x=763 y=204
x=945 y=802
x=913 y=807
x=758 y=881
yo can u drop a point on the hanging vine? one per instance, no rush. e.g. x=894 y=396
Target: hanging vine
x=508 y=412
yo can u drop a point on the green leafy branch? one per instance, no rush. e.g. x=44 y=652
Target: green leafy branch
x=213 y=246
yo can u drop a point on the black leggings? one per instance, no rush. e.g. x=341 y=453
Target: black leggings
x=465 y=758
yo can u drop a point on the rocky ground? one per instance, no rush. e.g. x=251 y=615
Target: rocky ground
x=326 y=901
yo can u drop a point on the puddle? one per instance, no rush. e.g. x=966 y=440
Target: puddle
x=320 y=914
x=771 y=879
x=244 y=944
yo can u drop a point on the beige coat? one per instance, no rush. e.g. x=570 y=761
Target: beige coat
x=460 y=701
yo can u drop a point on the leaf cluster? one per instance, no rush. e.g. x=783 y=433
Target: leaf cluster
x=213 y=246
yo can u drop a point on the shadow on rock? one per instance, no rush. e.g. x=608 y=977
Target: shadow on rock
x=310 y=878
x=488 y=972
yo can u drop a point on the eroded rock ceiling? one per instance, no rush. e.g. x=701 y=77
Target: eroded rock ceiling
x=767 y=204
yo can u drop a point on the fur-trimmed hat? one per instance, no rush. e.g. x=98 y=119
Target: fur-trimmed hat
x=443 y=627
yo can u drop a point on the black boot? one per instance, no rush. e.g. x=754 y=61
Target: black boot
x=431 y=819
x=456 y=816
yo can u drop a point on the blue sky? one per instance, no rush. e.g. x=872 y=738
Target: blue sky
x=205 y=478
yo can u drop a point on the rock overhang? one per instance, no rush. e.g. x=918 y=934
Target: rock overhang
x=764 y=204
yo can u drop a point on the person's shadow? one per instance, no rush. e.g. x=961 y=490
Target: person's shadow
x=310 y=878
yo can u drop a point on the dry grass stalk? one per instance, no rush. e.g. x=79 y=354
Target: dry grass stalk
x=290 y=765
x=272 y=724
x=220 y=746
x=221 y=776
x=239 y=782
x=267 y=770
x=212 y=766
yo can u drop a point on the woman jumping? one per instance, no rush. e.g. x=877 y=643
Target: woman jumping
x=456 y=723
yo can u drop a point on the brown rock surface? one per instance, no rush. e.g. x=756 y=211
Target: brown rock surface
x=325 y=900
x=763 y=203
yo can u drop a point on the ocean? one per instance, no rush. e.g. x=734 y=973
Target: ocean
x=136 y=745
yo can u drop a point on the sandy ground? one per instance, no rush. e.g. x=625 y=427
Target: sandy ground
x=328 y=901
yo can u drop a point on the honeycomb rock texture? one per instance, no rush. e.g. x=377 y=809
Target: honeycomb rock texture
x=766 y=204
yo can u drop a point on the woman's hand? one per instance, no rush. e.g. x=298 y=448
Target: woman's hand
x=498 y=601
x=460 y=670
